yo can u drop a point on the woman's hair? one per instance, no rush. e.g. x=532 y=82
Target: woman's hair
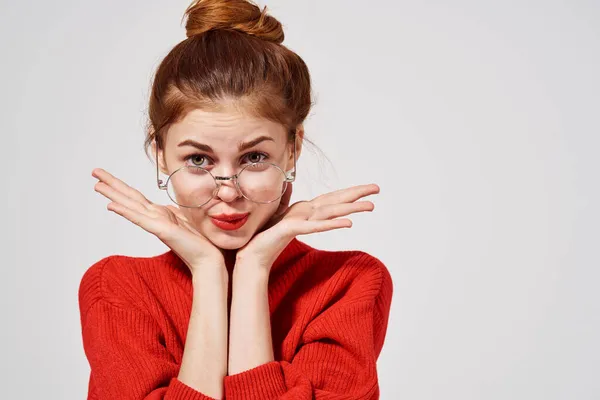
x=232 y=56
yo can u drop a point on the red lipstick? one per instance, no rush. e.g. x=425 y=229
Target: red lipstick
x=229 y=222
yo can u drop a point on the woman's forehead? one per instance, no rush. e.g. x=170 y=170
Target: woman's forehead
x=225 y=129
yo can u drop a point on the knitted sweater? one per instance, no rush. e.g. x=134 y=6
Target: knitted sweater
x=329 y=316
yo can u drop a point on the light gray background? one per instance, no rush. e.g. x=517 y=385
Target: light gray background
x=478 y=119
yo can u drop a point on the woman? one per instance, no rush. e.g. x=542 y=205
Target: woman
x=238 y=308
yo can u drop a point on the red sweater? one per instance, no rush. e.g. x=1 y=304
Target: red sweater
x=329 y=315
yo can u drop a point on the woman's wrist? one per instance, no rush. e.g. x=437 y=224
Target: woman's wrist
x=210 y=273
x=252 y=263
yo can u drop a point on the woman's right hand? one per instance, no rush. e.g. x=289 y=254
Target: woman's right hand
x=165 y=222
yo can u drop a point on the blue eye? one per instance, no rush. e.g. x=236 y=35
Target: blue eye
x=253 y=159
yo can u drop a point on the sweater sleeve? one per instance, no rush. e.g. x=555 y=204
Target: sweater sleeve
x=127 y=357
x=338 y=355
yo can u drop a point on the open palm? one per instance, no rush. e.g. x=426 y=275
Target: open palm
x=165 y=222
x=304 y=217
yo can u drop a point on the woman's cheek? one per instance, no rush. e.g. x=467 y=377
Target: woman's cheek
x=196 y=218
x=264 y=215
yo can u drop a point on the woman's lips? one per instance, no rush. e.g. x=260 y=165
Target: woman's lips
x=229 y=222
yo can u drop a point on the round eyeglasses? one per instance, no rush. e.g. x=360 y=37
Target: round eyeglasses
x=260 y=182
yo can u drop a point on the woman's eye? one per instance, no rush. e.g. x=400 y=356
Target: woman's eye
x=197 y=160
x=255 y=157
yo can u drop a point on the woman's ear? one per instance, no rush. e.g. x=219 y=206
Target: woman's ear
x=299 y=141
x=161 y=160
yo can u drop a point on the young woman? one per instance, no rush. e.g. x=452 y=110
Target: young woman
x=238 y=308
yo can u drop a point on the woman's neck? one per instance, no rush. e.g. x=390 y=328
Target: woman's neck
x=229 y=257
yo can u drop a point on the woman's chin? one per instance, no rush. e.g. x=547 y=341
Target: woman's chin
x=227 y=241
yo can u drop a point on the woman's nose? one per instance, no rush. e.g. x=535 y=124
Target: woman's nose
x=228 y=191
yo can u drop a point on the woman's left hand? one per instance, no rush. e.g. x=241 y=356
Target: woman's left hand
x=304 y=217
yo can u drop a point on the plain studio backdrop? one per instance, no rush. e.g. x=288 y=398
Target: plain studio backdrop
x=479 y=120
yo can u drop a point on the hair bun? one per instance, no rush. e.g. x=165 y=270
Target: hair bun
x=239 y=15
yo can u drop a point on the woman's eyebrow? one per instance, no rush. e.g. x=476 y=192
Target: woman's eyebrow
x=198 y=145
x=246 y=145
x=241 y=146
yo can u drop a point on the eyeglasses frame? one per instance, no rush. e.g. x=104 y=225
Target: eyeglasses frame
x=290 y=176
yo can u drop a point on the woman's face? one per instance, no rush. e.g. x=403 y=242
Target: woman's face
x=226 y=142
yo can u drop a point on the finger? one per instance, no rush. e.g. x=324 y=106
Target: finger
x=118 y=197
x=338 y=210
x=145 y=222
x=307 y=227
x=121 y=186
x=346 y=195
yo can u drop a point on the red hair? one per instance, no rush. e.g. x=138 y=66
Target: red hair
x=232 y=56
